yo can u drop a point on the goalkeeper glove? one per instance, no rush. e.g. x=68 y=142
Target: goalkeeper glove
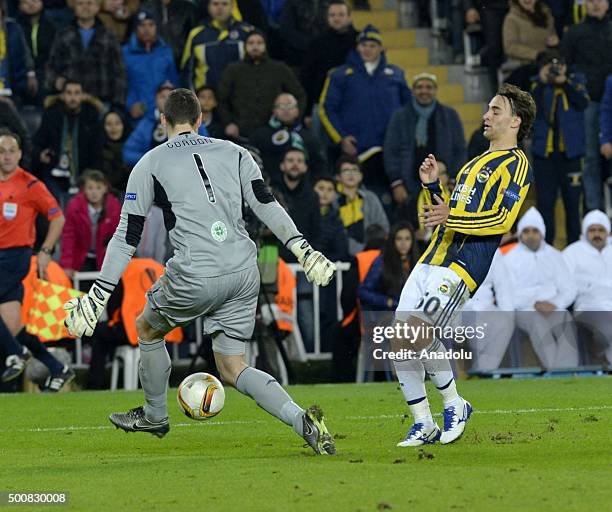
x=319 y=270
x=83 y=312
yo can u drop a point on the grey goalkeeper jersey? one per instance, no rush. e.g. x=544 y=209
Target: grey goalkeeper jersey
x=199 y=183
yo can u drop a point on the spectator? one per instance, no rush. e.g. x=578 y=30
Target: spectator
x=546 y=290
x=586 y=48
x=334 y=244
x=328 y=50
x=115 y=134
x=478 y=143
x=529 y=29
x=210 y=118
x=10 y=118
x=490 y=14
x=91 y=219
x=148 y=63
x=39 y=32
x=87 y=49
x=212 y=46
x=17 y=75
x=248 y=11
x=300 y=23
x=22 y=196
x=421 y=127
x=303 y=206
x=590 y=262
x=248 y=88
x=492 y=308
x=381 y=289
x=283 y=131
x=175 y=20
x=116 y=14
x=273 y=10
x=558 y=141
x=149 y=131
x=69 y=139
x=606 y=123
x=356 y=104
x=359 y=208
x=332 y=238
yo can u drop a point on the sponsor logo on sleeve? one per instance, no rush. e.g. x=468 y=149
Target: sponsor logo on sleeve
x=512 y=195
x=130 y=196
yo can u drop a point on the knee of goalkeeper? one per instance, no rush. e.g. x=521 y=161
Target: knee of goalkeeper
x=319 y=270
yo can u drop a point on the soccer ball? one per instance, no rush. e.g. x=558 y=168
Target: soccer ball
x=201 y=396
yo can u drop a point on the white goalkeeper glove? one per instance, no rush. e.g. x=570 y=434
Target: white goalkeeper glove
x=83 y=312
x=319 y=270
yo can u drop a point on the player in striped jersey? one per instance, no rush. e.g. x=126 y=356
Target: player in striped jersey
x=484 y=205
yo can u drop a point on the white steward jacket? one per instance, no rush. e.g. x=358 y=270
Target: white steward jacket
x=592 y=272
x=540 y=275
x=496 y=290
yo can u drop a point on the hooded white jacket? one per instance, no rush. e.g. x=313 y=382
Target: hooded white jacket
x=540 y=275
x=591 y=269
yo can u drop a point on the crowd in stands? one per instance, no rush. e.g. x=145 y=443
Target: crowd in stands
x=338 y=131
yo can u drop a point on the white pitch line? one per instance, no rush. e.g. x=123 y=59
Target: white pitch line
x=378 y=417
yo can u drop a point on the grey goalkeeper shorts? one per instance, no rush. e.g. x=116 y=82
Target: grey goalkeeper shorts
x=228 y=304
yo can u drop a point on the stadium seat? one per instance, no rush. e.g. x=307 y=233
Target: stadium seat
x=129 y=356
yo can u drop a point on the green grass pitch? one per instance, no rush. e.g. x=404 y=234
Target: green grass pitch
x=530 y=445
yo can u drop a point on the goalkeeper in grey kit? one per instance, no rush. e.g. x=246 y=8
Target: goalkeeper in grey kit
x=200 y=184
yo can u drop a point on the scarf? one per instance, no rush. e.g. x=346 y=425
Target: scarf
x=423 y=115
x=285 y=136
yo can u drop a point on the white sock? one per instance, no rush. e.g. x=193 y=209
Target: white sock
x=411 y=376
x=441 y=374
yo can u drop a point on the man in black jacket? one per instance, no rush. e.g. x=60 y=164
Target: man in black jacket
x=327 y=51
x=586 y=48
x=302 y=203
x=68 y=141
x=300 y=23
x=283 y=131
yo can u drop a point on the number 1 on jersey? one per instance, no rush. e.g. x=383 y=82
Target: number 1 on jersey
x=207 y=185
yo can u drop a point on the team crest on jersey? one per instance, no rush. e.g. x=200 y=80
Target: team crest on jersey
x=219 y=231
x=280 y=137
x=444 y=288
x=234 y=35
x=388 y=71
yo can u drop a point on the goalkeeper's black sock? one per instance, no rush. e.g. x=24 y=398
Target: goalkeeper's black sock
x=8 y=340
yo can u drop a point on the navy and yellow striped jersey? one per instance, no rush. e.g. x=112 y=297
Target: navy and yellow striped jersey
x=484 y=205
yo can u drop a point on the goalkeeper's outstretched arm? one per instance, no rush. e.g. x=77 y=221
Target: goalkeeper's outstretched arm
x=259 y=197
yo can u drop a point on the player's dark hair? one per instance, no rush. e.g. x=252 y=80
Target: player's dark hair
x=521 y=105
x=394 y=275
x=182 y=107
x=5 y=132
x=347 y=159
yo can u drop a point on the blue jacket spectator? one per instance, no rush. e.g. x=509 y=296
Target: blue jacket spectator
x=565 y=104
x=212 y=46
x=149 y=63
x=359 y=98
x=606 y=114
x=420 y=127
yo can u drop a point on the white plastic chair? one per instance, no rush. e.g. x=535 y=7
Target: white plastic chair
x=130 y=357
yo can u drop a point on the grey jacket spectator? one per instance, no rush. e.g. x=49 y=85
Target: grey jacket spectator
x=445 y=140
x=99 y=67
